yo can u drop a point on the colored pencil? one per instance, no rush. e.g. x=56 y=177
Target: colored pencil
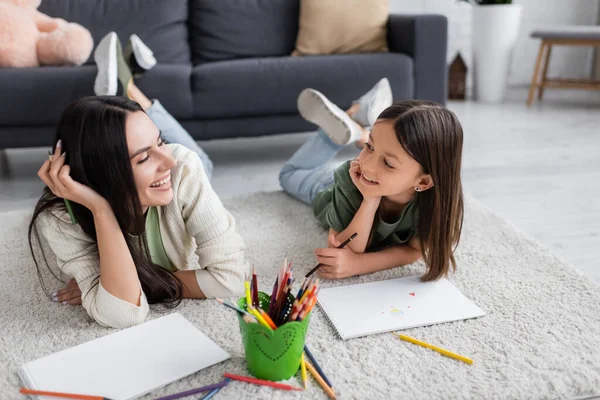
x=215 y=391
x=273 y=297
x=248 y=296
x=328 y=390
x=63 y=395
x=249 y=319
x=341 y=246
x=303 y=372
x=255 y=285
x=255 y=381
x=267 y=318
x=434 y=348
x=194 y=391
x=317 y=366
x=231 y=306
x=259 y=317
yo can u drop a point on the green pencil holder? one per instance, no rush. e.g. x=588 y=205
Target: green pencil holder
x=273 y=355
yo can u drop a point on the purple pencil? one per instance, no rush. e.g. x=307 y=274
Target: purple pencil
x=194 y=391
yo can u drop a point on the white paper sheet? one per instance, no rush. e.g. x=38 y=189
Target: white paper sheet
x=377 y=307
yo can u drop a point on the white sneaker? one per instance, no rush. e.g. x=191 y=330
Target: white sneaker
x=142 y=53
x=373 y=103
x=105 y=57
x=339 y=126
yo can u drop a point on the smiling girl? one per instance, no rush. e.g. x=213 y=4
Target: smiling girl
x=402 y=194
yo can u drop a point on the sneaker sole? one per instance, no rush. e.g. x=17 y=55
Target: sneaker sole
x=381 y=102
x=315 y=108
x=142 y=53
x=105 y=57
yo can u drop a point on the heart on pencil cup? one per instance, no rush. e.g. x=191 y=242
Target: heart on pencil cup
x=273 y=354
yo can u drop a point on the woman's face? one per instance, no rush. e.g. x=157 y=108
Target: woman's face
x=151 y=160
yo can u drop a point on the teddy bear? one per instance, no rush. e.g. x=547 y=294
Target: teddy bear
x=29 y=38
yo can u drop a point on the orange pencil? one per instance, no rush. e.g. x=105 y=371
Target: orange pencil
x=267 y=318
x=326 y=388
x=63 y=395
x=255 y=381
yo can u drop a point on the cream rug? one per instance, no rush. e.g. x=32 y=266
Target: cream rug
x=540 y=338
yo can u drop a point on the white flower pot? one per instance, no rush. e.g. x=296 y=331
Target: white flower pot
x=495 y=29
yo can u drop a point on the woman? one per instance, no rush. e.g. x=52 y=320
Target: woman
x=124 y=214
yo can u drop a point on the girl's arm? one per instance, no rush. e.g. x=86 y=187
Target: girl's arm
x=391 y=257
x=361 y=224
x=343 y=263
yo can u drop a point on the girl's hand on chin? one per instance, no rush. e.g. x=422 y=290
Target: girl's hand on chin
x=355 y=174
x=56 y=175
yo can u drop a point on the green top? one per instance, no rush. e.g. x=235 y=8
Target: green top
x=155 y=243
x=336 y=206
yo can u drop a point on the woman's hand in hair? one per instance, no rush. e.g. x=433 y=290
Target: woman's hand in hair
x=56 y=175
x=70 y=294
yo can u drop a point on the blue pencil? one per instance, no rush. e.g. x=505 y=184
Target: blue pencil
x=317 y=367
x=211 y=394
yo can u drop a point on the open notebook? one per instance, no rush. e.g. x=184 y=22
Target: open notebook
x=376 y=307
x=126 y=364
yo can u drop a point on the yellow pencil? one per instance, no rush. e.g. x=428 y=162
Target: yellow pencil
x=329 y=391
x=248 y=297
x=303 y=371
x=429 y=346
x=259 y=317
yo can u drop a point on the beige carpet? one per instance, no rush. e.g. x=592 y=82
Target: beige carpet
x=539 y=340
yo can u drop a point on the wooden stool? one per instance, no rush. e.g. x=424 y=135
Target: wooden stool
x=563 y=36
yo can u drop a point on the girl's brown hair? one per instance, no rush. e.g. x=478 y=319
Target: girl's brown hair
x=433 y=136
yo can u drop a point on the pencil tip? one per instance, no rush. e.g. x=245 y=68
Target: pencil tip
x=219 y=300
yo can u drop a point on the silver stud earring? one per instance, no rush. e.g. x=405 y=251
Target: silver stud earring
x=418 y=189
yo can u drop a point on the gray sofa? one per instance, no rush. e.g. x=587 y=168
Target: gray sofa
x=224 y=68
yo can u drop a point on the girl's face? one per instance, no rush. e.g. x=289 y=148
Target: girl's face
x=386 y=168
x=151 y=160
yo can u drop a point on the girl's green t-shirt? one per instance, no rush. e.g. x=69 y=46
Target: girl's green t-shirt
x=336 y=206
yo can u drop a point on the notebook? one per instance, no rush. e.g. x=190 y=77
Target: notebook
x=126 y=364
x=377 y=307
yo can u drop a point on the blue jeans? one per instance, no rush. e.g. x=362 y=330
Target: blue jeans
x=309 y=171
x=173 y=132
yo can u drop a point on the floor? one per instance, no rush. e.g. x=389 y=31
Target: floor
x=538 y=167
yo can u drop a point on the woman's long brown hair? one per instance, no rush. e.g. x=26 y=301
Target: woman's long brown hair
x=92 y=130
x=433 y=136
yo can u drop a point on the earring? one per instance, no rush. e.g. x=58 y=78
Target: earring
x=418 y=189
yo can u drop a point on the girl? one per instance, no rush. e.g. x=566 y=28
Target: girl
x=402 y=194
x=124 y=213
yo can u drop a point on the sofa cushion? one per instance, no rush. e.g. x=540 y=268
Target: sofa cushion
x=268 y=86
x=38 y=96
x=228 y=29
x=162 y=25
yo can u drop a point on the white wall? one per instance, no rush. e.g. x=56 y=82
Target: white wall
x=565 y=62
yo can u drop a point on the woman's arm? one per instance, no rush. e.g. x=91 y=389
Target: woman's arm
x=117 y=269
x=191 y=290
x=220 y=249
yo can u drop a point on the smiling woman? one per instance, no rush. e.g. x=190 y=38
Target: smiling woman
x=141 y=209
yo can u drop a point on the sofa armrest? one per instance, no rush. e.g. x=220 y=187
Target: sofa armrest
x=425 y=39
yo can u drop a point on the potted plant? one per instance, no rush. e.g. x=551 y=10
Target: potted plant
x=495 y=29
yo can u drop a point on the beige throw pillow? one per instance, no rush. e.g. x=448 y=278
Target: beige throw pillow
x=342 y=26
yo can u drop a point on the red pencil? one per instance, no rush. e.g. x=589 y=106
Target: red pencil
x=255 y=284
x=260 y=382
